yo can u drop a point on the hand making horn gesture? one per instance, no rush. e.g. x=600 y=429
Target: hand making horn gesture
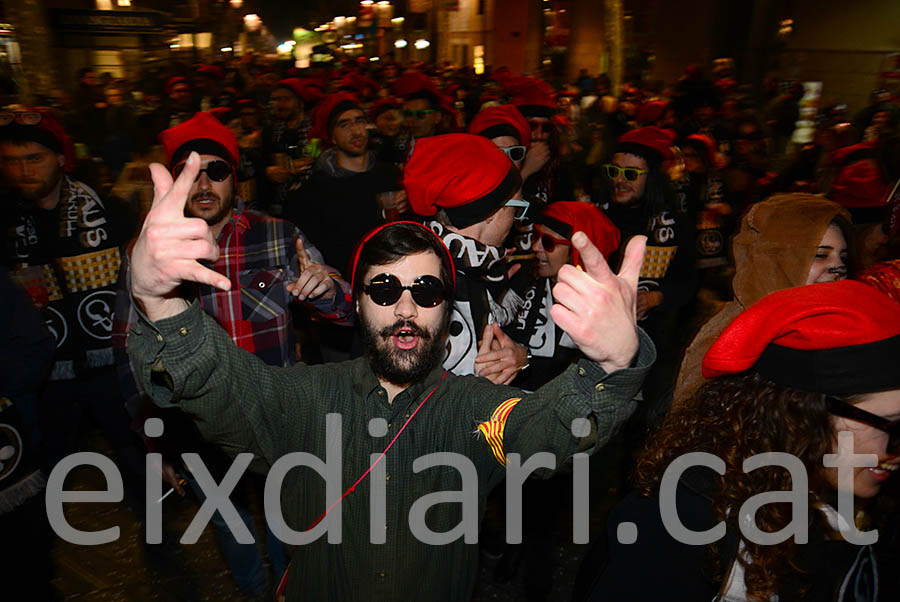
x=314 y=281
x=596 y=307
x=170 y=245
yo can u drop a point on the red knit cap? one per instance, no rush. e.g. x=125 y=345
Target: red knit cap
x=202 y=133
x=497 y=121
x=47 y=132
x=656 y=139
x=839 y=338
x=569 y=217
x=328 y=110
x=467 y=176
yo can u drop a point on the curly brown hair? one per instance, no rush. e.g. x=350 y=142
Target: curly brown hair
x=735 y=417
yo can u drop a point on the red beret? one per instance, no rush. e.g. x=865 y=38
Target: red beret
x=574 y=216
x=493 y=119
x=467 y=176
x=327 y=110
x=713 y=158
x=223 y=114
x=534 y=97
x=47 y=131
x=838 y=338
x=651 y=112
x=196 y=134
x=884 y=277
x=381 y=105
x=293 y=85
x=213 y=71
x=172 y=82
x=412 y=82
x=860 y=184
x=651 y=137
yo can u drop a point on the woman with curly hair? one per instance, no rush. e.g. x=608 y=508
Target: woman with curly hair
x=788 y=375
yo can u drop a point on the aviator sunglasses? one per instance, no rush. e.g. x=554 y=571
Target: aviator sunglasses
x=549 y=242
x=843 y=409
x=631 y=173
x=385 y=289
x=217 y=171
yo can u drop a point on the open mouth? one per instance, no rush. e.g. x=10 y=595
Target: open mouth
x=405 y=338
x=883 y=471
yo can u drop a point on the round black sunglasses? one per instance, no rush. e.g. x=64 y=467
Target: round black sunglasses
x=385 y=289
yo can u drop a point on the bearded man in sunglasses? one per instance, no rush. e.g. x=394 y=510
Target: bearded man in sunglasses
x=268 y=263
x=397 y=399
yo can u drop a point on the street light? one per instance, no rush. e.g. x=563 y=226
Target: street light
x=400 y=44
x=366 y=2
x=252 y=22
x=421 y=44
x=236 y=3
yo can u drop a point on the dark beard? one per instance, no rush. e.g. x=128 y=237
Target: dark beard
x=399 y=366
x=215 y=218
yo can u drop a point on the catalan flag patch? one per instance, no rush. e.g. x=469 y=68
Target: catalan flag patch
x=493 y=428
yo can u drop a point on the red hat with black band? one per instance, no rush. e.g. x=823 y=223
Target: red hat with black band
x=204 y=134
x=328 y=111
x=837 y=338
x=40 y=126
x=652 y=143
x=568 y=217
x=505 y=120
x=466 y=176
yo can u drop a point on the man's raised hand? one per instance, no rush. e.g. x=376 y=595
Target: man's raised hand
x=315 y=279
x=170 y=245
x=597 y=307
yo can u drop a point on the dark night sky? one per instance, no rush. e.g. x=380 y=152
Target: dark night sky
x=282 y=16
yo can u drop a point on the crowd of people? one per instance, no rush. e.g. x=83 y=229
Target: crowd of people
x=200 y=247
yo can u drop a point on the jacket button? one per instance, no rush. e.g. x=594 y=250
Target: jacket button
x=262 y=285
x=183 y=331
x=581 y=371
x=600 y=386
x=159 y=337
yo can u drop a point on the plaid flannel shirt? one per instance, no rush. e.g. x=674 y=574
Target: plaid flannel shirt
x=258 y=255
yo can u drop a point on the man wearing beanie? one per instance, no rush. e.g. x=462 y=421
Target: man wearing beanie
x=64 y=246
x=470 y=205
x=283 y=142
x=268 y=262
x=340 y=202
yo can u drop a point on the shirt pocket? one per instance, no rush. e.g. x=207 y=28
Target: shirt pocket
x=263 y=294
